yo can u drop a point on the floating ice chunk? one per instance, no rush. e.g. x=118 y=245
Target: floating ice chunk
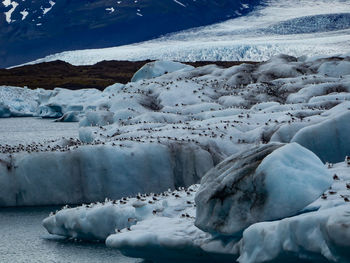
x=164 y=239
x=281 y=66
x=113 y=88
x=4 y=111
x=158 y=68
x=91 y=173
x=97 y=118
x=149 y=226
x=264 y=183
x=335 y=68
x=165 y=231
x=70 y=116
x=317 y=236
x=19 y=101
x=93 y=222
x=329 y=140
x=101 y=219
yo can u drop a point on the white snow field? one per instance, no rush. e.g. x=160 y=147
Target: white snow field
x=167 y=132
x=295 y=27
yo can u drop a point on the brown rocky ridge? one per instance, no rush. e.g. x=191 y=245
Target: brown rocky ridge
x=49 y=75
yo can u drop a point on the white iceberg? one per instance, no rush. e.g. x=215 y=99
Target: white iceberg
x=161 y=228
x=329 y=140
x=316 y=237
x=158 y=68
x=264 y=183
x=90 y=173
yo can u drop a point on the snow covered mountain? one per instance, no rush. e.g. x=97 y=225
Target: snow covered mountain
x=294 y=27
x=32 y=29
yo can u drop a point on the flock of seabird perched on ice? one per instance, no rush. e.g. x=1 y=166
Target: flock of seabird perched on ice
x=209 y=130
x=191 y=126
x=181 y=194
x=186 y=196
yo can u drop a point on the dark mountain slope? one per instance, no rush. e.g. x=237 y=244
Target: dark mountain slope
x=36 y=28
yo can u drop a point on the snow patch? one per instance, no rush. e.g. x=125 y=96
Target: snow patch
x=8 y=14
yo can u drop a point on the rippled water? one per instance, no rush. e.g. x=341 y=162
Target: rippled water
x=24 y=240
x=27 y=130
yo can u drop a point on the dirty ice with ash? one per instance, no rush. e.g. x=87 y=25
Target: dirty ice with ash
x=294 y=27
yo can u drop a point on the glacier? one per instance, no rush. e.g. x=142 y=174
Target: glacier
x=292 y=27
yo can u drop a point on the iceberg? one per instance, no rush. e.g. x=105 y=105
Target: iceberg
x=160 y=227
x=88 y=173
x=265 y=183
x=321 y=236
x=158 y=68
x=330 y=139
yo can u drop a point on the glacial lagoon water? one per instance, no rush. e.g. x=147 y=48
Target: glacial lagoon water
x=27 y=130
x=23 y=239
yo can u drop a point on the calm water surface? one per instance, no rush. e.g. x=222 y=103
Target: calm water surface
x=27 y=130
x=23 y=239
